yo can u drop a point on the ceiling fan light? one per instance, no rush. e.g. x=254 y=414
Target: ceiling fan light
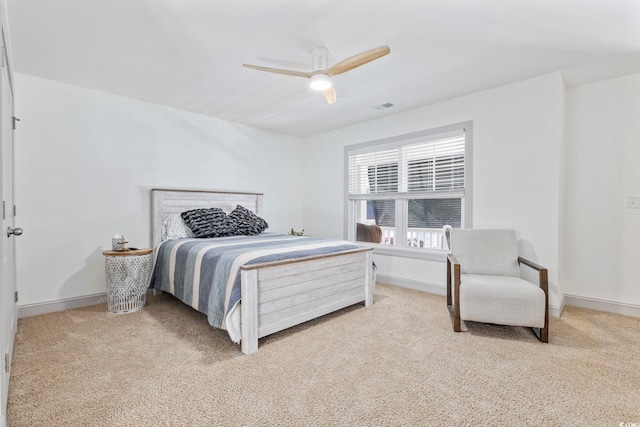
x=320 y=82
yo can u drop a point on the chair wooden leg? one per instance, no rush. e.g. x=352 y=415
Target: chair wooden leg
x=544 y=284
x=544 y=332
x=543 y=278
x=456 y=297
x=448 y=281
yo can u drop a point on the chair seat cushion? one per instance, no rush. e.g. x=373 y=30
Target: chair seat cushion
x=503 y=300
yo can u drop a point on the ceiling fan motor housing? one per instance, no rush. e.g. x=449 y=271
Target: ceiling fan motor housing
x=320 y=58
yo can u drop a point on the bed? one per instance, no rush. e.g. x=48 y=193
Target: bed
x=276 y=280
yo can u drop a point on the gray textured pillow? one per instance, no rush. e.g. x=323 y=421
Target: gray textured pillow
x=212 y=222
x=247 y=223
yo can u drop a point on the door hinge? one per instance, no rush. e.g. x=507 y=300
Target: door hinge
x=15 y=296
x=3 y=56
x=14 y=210
x=7 y=362
x=4 y=212
x=15 y=119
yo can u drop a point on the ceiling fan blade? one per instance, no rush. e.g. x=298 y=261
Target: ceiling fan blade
x=279 y=71
x=330 y=95
x=358 y=60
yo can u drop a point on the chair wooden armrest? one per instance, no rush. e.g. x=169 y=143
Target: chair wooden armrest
x=452 y=261
x=543 y=278
x=530 y=264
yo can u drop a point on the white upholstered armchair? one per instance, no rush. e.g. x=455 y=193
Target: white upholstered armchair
x=484 y=269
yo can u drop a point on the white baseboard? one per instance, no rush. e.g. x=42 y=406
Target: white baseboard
x=633 y=310
x=555 y=311
x=433 y=288
x=603 y=305
x=36 y=309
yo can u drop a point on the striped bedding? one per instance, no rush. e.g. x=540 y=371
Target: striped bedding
x=205 y=273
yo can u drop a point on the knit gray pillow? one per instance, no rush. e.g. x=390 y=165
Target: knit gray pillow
x=212 y=222
x=247 y=223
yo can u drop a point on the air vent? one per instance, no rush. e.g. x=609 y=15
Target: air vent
x=384 y=106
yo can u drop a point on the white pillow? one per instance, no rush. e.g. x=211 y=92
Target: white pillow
x=173 y=227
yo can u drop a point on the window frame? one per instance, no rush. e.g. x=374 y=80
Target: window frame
x=395 y=142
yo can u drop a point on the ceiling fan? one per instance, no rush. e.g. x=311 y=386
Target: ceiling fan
x=320 y=76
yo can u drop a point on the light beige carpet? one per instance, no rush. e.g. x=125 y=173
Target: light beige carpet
x=396 y=363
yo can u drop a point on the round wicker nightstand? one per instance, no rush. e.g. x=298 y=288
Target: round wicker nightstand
x=127 y=274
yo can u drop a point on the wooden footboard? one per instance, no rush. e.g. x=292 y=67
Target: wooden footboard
x=281 y=294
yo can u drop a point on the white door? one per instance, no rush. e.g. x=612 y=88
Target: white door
x=9 y=316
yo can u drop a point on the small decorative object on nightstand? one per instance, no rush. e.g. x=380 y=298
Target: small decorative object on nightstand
x=127 y=273
x=118 y=243
x=296 y=233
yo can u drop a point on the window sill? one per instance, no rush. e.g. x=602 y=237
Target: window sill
x=426 y=254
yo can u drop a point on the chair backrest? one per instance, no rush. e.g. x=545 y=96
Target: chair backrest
x=368 y=233
x=492 y=252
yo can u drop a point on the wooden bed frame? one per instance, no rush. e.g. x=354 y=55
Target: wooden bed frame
x=277 y=295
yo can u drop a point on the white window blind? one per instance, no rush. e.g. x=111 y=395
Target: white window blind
x=424 y=167
x=373 y=173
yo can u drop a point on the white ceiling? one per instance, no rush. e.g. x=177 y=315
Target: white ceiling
x=188 y=54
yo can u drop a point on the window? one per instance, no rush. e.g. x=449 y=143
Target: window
x=402 y=191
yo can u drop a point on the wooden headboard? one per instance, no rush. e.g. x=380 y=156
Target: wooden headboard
x=165 y=202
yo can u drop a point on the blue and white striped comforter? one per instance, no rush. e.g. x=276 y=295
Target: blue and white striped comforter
x=205 y=273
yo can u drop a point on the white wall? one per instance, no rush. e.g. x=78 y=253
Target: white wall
x=86 y=160
x=601 y=256
x=517 y=138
